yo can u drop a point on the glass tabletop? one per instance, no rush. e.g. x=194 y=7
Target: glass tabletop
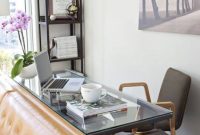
x=137 y=111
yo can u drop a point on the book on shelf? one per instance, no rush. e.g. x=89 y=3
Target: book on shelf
x=65 y=47
x=79 y=108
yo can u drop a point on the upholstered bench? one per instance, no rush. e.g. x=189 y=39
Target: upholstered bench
x=23 y=114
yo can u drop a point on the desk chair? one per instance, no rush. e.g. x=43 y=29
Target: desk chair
x=173 y=95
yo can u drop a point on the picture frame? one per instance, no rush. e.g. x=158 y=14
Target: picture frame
x=175 y=16
x=58 y=8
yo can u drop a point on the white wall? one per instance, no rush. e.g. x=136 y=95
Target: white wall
x=115 y=52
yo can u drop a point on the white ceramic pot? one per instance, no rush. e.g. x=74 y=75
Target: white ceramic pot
x=28 y=72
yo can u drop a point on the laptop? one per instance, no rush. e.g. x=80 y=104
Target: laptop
x=48 y=82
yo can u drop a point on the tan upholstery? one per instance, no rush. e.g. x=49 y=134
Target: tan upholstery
x=23 y=114
x=18 y=117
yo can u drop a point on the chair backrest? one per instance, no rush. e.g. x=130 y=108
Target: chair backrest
x=175 y=88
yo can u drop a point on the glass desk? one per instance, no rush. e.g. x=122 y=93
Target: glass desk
x=138 y=112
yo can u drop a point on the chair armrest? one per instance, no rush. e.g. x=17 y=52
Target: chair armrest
x=171 y=106
x=167 y=105
x=137 y=84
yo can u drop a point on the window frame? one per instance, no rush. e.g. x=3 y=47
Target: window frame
x=33 y=30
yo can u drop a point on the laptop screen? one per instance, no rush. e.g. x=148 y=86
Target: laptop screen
x=43 y=67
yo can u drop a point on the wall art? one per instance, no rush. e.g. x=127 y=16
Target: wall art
x=177 y=16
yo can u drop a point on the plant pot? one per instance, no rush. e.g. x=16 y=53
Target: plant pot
x=28 y=72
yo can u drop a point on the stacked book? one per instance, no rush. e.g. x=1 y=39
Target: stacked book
x=80 y=110
x=65 y=47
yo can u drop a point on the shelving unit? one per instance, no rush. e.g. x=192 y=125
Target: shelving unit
x=44 y=21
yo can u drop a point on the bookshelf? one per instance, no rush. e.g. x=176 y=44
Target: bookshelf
x=75 y=28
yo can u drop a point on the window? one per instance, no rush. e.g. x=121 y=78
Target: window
x=9 y=43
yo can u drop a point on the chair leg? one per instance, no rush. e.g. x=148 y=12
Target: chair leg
x=134 y=130
x=172 y=127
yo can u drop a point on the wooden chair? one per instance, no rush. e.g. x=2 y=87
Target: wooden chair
x=173 y=95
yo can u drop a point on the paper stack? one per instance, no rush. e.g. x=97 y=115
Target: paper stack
x=65 y=47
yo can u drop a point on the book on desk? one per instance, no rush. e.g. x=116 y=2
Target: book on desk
x=80 y=110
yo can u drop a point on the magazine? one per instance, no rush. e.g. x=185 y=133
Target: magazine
x=84 y=109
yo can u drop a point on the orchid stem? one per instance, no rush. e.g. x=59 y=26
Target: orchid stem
x=23 y=49
x=23 y=41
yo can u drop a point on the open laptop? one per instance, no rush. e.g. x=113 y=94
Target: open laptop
x=48 y=83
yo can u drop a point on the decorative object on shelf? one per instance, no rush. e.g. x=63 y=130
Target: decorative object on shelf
x=52 y=17
x=72 y=9
x=18 y=23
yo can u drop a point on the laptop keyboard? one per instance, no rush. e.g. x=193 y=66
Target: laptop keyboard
x=59 y=83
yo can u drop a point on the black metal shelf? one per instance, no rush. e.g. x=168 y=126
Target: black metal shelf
x=43 y=21
x=64 y=59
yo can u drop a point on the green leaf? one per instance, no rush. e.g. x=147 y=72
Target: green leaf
x=27 y=63
x=18 y=56
x=17 y=68
x=28 y=58
x=30 y=54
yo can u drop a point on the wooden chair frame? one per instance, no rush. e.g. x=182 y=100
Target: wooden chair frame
x=167 y=104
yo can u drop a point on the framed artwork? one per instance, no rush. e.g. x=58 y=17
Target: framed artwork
x=59 y=7
x=176 y=16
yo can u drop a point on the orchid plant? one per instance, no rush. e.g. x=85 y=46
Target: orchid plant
x=18 y=23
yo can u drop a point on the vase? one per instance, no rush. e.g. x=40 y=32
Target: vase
x=28 y=72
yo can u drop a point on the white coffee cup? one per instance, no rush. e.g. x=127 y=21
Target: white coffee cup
x=91 y=92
